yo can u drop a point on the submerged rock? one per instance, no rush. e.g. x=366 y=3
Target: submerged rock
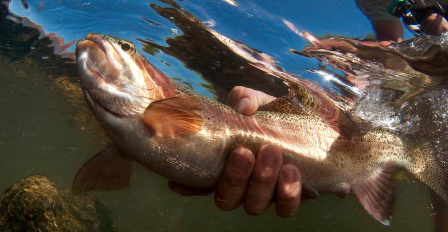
x=34 y=204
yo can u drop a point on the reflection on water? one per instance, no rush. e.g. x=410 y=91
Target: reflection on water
x=213 y=56
x=48 y=129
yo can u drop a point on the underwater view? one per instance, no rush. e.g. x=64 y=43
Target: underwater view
x=105 y=104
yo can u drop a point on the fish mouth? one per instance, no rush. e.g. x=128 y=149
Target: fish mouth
x=92 y=39
x=96 y=65
x=93 y=68
x=98 y=39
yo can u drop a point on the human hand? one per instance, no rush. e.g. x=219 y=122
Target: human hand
x=253 y=181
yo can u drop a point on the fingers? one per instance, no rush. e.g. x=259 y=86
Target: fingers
x=246 y=101
x=264 y=178
x=189 y=191
x=232 y=186
x=252 y=182
x=289 y=188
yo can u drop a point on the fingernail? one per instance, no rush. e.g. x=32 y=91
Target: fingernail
x=268 y=159
x=240 y=162
x=243 y=104
x=288 y=175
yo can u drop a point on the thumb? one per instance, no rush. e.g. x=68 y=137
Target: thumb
x=246 y=101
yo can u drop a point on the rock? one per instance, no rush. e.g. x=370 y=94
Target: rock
x=34 y=204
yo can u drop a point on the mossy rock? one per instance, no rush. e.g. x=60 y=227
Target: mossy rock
x=34 y=204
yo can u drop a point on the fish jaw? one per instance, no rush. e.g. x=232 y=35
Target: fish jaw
x=98 y=61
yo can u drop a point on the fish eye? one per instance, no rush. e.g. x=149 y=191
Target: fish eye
x=125 y=47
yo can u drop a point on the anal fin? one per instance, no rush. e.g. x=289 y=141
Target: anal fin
x=108 y=170
x=376 y=194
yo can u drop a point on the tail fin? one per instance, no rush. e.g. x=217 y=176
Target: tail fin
x=428 y=168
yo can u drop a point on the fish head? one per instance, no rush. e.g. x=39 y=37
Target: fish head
x=116 y=77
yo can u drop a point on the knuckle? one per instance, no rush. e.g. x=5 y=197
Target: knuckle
x=266 y=176
x=267 y=173
x=287 y=198
x=238 y=88
x=234 y=181
x=290 y=191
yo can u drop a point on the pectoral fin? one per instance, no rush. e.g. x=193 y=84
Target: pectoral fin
x=173 y=117
x=376 y=195
x=108 y=170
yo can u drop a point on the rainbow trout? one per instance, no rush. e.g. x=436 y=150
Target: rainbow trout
x=187 y=137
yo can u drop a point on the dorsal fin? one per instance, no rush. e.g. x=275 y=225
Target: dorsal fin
x=174 y=117
x=376 y=194
x=304 y=100
x=285 y=104
x=301 y=99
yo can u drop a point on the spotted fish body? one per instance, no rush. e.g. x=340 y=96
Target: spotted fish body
x=187 y=137
x=328 y=162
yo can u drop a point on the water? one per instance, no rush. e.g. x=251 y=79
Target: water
x=48 y=129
